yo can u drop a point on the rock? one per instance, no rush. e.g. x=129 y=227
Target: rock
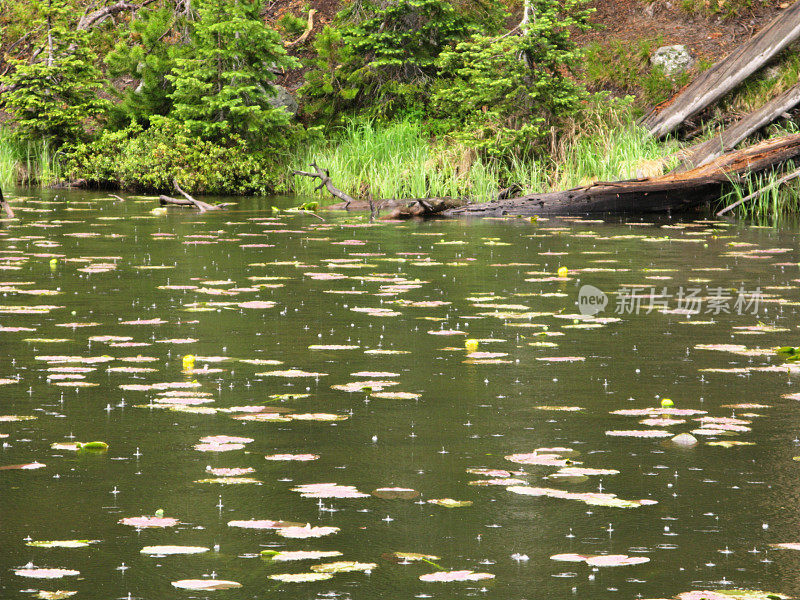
x=684 y=439
x=673 y=60
x=284 y=97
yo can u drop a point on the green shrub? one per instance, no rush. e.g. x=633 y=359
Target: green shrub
x=150 y=160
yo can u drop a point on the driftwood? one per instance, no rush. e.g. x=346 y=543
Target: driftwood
x=306 y=33
x=6 y=206
x=725 y=75
x=187 y=200
x=782 y=180
x=325 y=182
x=671 y=192
x=728 y=139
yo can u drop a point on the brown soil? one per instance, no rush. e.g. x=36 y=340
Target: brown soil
x=707 y=38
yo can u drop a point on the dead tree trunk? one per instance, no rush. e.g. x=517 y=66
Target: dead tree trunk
x=671 y=192
x=728 y=139
x=711 y=85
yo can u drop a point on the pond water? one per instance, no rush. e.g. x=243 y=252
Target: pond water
x=420 y=355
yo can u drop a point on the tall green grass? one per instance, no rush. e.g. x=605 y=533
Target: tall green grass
x=27 y=163
x=774 y=202
x=399 y=160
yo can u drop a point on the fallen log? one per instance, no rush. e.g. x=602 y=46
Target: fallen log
x=401 y=209
x=725 y=75
x=673 y=192
x=6 y=206
x=728 y=139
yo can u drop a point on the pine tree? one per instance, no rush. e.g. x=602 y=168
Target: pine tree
x=54 y=96
x=224 y=87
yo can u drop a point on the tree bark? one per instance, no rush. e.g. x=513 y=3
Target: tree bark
x=725 y=75
x=728 y=139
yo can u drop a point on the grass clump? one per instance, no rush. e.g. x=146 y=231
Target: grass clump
x=27 y=162
x=774 y=202
x=401 y=160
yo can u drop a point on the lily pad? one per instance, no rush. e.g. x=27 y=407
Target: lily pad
x=447 y=576
x=301 y=577
x=144 y=521
x=46 y=573
x=395 y=493
x=450 y=503
x=62 y=543
x=291 y=555
x=169 y=550
x=344 y=566
x=205 y=585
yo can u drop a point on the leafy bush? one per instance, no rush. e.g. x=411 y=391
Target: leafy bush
x=149 y=160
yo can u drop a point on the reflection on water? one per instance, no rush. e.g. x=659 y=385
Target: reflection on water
x=418 y=356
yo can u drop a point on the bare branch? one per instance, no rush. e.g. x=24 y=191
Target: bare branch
x=324 y=177
x=89 y=20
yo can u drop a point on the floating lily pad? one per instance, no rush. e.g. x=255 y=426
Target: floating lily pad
x=149 y=521
x=344 y=566
x=306 y=532
x=229 y=480
x=591 y=498
x=292 y=457
x=301 y=577
x=328 y=490
x=291 y=555
x=410 y=557
x=205 y=585
x=450 y=503
x=62 y=543
x=395 y=493
x=169 y=550
x=46 y=573
x=447 y=576
x=263 y=524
